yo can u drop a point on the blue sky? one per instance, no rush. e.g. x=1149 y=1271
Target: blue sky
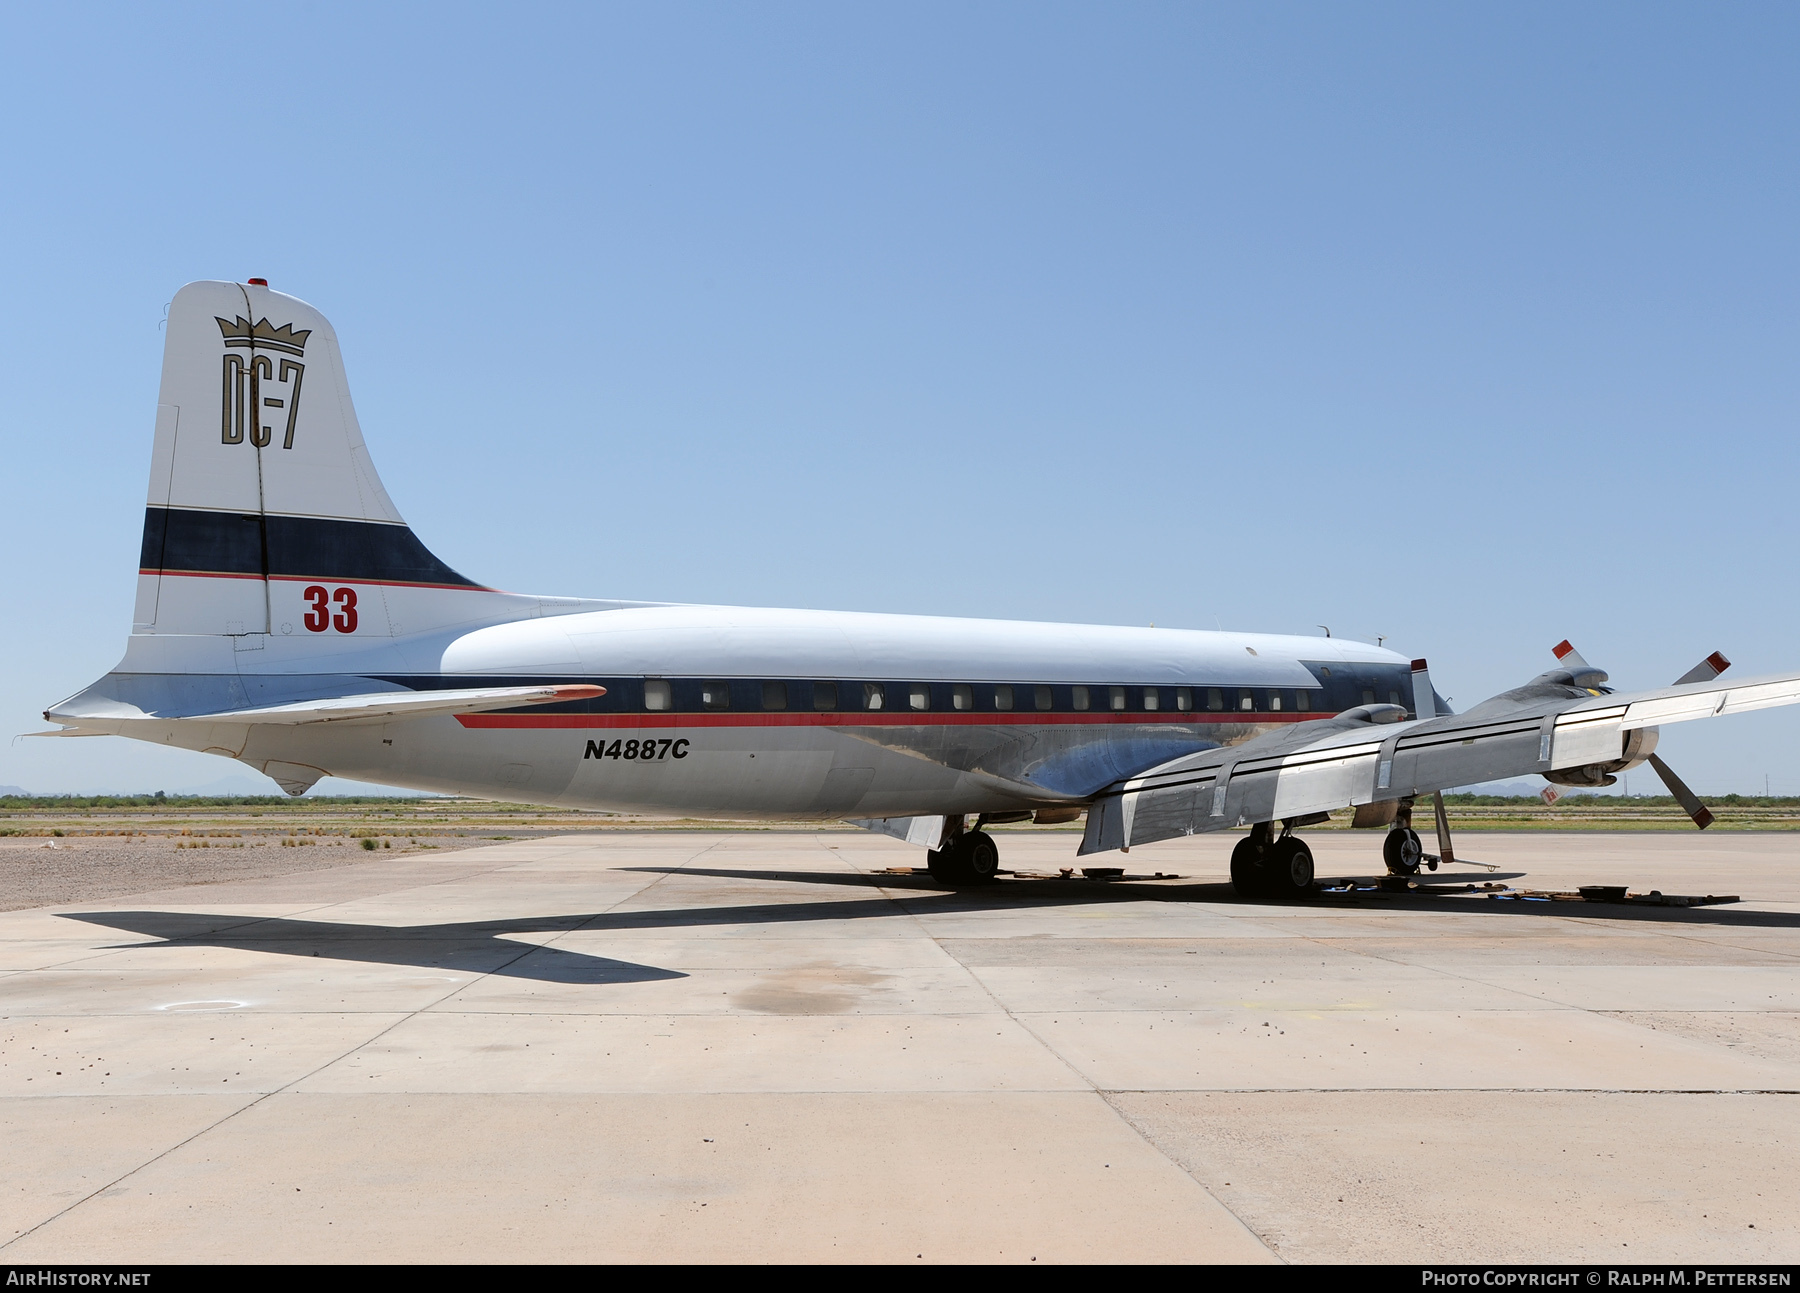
x=1472 y=327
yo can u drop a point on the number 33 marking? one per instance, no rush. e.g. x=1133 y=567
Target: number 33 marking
x=320 y=618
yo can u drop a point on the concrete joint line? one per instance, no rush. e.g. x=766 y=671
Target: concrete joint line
x=524 y=951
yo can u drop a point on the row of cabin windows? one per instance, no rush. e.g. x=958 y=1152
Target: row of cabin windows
x=1002 y=697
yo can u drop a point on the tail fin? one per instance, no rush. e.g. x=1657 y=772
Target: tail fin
x=265 y=513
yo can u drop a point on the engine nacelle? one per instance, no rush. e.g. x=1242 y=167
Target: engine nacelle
x=1638 y=745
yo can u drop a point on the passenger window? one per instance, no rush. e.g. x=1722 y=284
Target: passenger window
x=1115 y=697
x=1002 y=697
x=962 y=696
x=1215 y=699
x=1152 y=698
x=825 y=695
x=872 y=695
x=919 y=695
x=1042 y=697
x=774 y=695
x=1393 y=698
x=1274 y=700
x=1246 y=700
x=1368 y=696
x=1302 y=700
x=656 y=694
x=715 y=695
x=1184 y=698
x=1080 y=696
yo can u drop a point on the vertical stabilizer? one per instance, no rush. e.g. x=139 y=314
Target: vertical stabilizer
x=265 y=514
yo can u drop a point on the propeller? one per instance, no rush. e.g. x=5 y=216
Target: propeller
x=1689 y=801
x=1708 y=669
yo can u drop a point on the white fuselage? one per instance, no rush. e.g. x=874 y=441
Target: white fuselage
x=716 y=711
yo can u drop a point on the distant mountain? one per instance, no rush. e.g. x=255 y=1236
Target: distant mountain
x=15 y=790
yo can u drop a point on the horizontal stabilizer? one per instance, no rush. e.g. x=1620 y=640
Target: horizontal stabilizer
x=378 y=707
x=401 y=704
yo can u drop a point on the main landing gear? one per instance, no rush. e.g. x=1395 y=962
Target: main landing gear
x=1403 y=850
x=967 y=858
x=1267 y=864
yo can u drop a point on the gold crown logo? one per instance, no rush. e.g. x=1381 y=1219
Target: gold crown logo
x=263 y=336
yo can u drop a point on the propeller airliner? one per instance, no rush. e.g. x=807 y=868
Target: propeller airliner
x=287 y=617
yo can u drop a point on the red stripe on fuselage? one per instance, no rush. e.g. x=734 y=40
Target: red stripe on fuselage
x=862 y=719
x=317 y=579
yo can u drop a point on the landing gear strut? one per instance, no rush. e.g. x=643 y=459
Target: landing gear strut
x=968 y=857
x=1269 y=865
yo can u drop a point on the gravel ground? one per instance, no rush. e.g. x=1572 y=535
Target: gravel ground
x=40 y=872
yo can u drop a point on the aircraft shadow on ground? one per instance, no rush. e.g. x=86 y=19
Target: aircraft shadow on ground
x=482 y=947
x=1011 y=892
x=475 y=947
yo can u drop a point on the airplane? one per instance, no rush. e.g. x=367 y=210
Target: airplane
x=288 y=617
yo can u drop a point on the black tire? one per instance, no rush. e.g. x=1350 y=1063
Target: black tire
x=1290 y=868
x=981 y=858
x=1402 y=851
x=970 y=859
x=1247 y=868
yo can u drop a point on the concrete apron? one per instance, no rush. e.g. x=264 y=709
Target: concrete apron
x=739 y=1047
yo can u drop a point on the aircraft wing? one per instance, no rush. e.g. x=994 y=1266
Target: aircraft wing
x=1358 y=759
x=376 y=707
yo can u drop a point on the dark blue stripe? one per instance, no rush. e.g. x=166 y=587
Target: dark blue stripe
x=177 y=541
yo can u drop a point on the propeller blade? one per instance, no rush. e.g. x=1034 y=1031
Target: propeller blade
x=1568 y=656
x=1424 y=703
x=1708 y=669
x=1685 y=797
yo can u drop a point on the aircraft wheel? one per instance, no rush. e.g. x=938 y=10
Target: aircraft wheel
x=1290 y=868
x=1402 y=851
x=1247 y=870
x=981 y=857
x=970 y=858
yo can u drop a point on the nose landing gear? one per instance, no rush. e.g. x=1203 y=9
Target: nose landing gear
x=1269 y=865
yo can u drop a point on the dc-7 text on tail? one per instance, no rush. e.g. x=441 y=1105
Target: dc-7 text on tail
x=288 y=617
